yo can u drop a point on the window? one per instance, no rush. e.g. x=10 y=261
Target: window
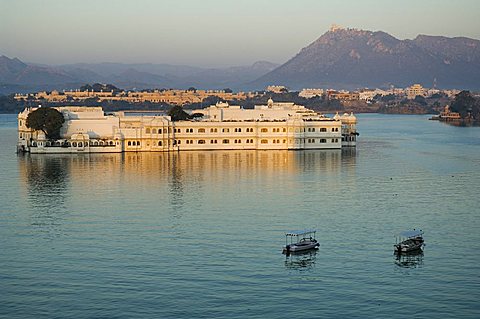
x=201 y=141
x=189 y=130
x=284 y=141
x=225 y=130
x=159 y=131
x=213 y=130
x=154 y=131
x=159 y=143
x=129 y=143
x=322 y=140
x=284 y=129
x=238 y=141
x=74 y=144
x=226 y=141
x=111 y=143
x=201 y=130
x=249 y=129
x=264 y=130
x=147 y=130
x=264 y=141
x=213 y=141
x=323 y=129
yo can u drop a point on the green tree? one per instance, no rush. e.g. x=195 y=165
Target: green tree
x=46 y=119
x=178 y=114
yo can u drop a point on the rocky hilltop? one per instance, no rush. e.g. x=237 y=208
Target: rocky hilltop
x=351 y=58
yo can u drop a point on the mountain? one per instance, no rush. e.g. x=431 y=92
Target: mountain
x=19 y=77
x=351 y=58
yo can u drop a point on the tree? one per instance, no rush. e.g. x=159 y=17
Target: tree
x=46 y=119
x=178 y=114
x=464 y=103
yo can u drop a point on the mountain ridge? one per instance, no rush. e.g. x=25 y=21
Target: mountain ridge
x=339 y=58
x=352 y=58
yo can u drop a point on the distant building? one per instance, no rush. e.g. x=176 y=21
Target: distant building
x=414 y=90
x=277 y=88
x=309 y=93
x=175 y=97
x=342 y=95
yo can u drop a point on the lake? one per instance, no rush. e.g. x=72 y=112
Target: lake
x=200 y=234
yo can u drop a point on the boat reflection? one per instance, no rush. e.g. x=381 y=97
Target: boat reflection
x=409 y=260
x=303 y=260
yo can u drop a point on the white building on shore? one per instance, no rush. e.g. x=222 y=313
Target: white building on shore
x=275 y=126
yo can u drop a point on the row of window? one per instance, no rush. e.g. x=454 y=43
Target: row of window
x=236 y=130
x=236 y=141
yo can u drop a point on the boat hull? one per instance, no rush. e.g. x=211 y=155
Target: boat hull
x=301 y=247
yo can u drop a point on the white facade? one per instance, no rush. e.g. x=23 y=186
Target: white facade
x=309 y=93
x=275 y=126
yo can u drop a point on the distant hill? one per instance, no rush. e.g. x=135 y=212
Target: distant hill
x=340 y=58
x=350 y=58
x=17 y=76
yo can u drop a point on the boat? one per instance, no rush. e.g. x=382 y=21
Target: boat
x=409 y=241
x=300 y=240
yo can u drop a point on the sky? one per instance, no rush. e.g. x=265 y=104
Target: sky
x=209 y=33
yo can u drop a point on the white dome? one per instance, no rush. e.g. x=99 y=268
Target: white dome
x=270 y=102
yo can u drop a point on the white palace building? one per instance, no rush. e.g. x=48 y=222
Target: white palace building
x=275 y=126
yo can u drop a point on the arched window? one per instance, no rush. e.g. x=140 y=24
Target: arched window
x=201 y=141
x=264 y=130
x=111 y=143
x=264 y=141
x=74 y=144
x=159 y=143
x=226 y=141
x=129 y=143
x=201 y=130
x=80 y=144
x=159 y=131
x=147 y=130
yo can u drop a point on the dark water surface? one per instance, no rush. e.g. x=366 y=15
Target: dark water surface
x=199 y=235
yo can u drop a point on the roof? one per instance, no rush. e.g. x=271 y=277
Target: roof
x=300 y=232
x=411 y=233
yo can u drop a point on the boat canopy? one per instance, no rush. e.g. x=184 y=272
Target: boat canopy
x=300 y=232
x=411 y=233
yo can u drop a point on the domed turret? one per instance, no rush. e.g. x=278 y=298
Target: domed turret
x=270 y=103
x=336 y=117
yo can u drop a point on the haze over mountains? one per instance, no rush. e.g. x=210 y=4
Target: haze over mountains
x=340 y=58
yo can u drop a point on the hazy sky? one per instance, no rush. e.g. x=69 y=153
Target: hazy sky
x=209 y=32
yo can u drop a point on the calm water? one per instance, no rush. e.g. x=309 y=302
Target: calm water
x=199 y=235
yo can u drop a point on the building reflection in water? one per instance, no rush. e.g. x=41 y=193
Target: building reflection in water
x=52 y=179
x=301 y=260
x=409 y=260
x=47 y=181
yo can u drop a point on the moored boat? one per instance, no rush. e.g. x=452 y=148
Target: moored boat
x=409 y=241
x=300 y=240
